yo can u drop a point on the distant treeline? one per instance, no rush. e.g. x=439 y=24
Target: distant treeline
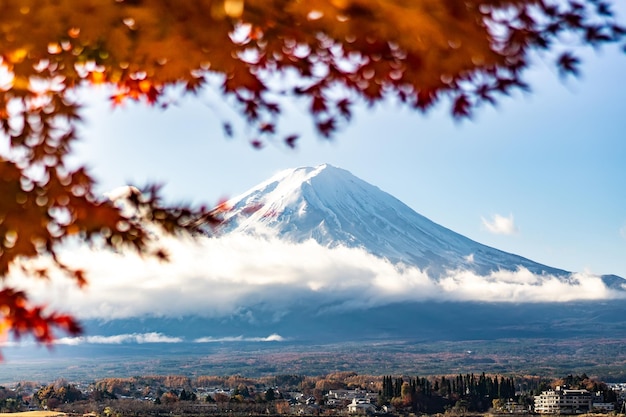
x=465 y=392
x=460 y=385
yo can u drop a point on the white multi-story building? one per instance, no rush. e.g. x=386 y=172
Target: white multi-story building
x=563 y=401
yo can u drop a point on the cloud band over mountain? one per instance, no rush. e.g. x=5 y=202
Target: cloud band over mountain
x=315 y=237
x=219 y=277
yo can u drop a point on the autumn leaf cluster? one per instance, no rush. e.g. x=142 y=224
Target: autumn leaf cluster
x=326 y=54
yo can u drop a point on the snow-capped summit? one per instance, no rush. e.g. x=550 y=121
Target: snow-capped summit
x=334 y=207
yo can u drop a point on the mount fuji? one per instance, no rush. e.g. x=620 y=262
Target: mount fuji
x=317 y=257
x=317 y=245
x=335 y=208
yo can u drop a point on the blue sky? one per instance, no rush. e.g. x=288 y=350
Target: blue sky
x=550 y=164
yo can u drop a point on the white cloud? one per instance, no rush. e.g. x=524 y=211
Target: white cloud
x=500 y=225
x=522 y=285
x=271 y=338
x=221 y=277
x=140 y=338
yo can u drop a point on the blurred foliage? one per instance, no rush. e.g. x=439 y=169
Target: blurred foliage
x=329 y=54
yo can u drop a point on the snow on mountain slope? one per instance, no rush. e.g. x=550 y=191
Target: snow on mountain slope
x=333 y=207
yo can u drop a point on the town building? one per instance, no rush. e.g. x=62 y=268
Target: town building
x=563 y=401
x=361 y=407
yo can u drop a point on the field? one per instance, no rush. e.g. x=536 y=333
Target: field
x=603 y=358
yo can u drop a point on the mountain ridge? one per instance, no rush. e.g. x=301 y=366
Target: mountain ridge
x=333 y=207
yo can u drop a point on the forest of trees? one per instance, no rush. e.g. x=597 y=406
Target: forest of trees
x=10 y=400
x=466 y=391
